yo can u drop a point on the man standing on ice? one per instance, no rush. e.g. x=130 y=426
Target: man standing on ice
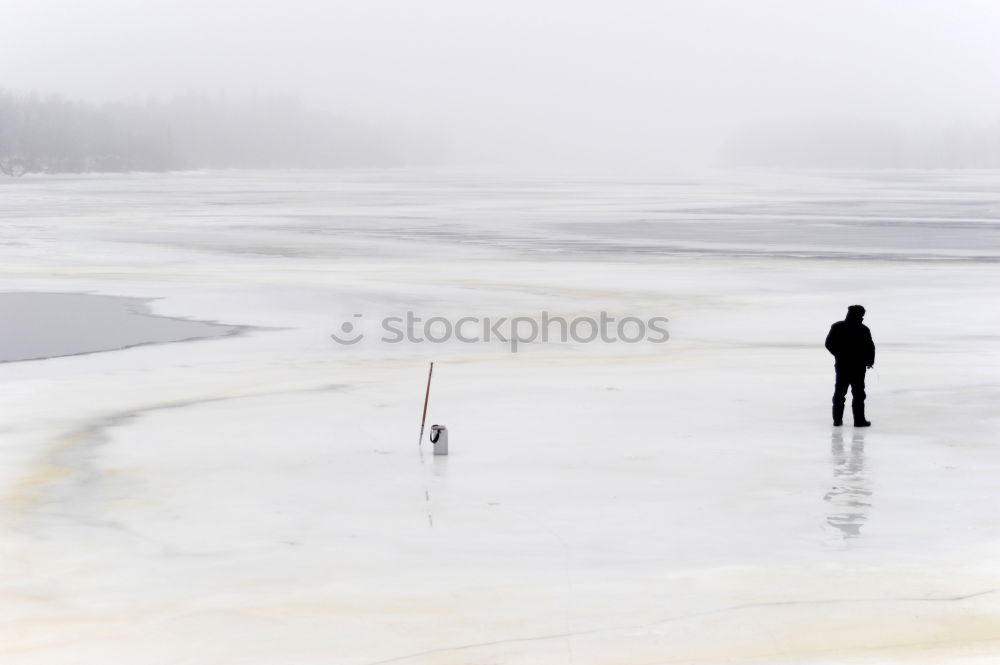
x=851 y=344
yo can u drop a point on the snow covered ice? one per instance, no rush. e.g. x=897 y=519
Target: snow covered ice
x=260 y=498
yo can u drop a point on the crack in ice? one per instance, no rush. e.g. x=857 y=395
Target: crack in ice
x=682 y=617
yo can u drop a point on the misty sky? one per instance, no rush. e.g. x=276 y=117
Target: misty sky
x=609 y=83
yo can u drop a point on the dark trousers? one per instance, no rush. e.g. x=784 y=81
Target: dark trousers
x=853 y=376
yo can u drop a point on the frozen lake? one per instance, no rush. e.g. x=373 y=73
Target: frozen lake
x=260 y=498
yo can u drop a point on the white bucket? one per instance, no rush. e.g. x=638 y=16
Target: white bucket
x=439 y=437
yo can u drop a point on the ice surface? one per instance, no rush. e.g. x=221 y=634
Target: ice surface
x=262 y=499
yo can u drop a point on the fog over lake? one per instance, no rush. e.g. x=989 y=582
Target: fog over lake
x=592 y=86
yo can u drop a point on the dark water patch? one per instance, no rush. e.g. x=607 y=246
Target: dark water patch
x=34 y=326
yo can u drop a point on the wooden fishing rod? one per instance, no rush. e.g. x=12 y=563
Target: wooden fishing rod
x=427 y=396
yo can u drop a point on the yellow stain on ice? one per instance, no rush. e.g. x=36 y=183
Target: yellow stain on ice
x=28 y=490
x=54 y=467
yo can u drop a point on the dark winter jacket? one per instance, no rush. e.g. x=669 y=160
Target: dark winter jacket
x=851 y=343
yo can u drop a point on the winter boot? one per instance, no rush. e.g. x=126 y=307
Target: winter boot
x=859 y=415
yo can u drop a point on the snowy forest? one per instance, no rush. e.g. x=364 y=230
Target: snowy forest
x=51 y=134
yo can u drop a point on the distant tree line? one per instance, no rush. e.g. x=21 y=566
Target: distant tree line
x=852 y=143
x=50 y=134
